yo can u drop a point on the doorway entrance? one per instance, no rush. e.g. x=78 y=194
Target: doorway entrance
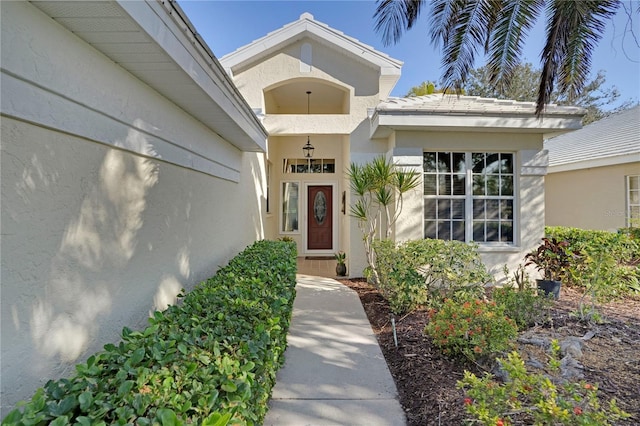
x=320 y=217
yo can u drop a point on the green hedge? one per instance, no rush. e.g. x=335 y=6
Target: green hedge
x=608 y=261
x=210 y=360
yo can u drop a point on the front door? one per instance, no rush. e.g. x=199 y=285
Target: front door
x=320 y=217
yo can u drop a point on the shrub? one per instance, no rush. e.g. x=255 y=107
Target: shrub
x=471 y=329
x=535 y=398
x=210 y=360
x=415 y=272
x=526 y=307
x=633 y=233
x=607 y=267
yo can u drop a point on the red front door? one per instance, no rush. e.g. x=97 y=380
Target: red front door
x=320 y=218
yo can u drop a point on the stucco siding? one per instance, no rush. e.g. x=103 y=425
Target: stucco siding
x=592 y=198
x=113 y=199
x=327 y=64
x=94 y=238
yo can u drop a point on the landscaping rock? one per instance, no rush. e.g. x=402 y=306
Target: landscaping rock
x=570 y=368
x=571 y=346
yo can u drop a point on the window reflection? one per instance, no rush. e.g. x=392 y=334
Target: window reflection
x=490 y=192
x=290 y=206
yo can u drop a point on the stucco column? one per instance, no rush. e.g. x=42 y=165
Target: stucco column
x=411 y=221
x=533 y=168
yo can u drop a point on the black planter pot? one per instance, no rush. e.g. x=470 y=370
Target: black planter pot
x=550 y=287
x=341 y=269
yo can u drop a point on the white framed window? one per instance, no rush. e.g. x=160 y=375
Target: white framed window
x=633 y=201
x=469 y=196
x=268 y=197
x=309 y=165
x=289 y=213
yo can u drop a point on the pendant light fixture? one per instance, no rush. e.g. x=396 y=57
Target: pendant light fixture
x=308 y=148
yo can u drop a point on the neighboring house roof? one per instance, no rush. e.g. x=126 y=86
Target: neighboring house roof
x=308 y=27
x=613 y=140
x=155 y=42
x=447 y=112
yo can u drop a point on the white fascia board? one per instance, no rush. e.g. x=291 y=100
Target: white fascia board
x=205 y=72
x=470 y=121
x=613 y=160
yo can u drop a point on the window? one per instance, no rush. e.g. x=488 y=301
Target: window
x=468 y=196
x=309 y=165
x=290 y=206
x=633 y=201
x=268 y=171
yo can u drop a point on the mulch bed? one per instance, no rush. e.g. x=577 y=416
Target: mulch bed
x=426 y=379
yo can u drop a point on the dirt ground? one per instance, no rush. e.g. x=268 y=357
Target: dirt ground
x=426 y=379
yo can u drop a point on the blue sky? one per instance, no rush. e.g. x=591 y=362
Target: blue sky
x=228 y=25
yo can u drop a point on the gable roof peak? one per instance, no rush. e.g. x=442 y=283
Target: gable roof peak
x=307 y=26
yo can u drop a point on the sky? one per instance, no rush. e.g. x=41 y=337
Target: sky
x=226 y=25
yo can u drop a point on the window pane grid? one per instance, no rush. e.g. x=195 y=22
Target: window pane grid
x=489 y=192
x=309 y=165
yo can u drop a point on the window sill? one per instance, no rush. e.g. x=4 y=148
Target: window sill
x=498 y=249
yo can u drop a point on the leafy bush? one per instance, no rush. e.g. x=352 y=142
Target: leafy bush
x=607 y=267
x=535 y=398
x=211 y=360
x=412 y=273
x=471 y=329
x=526 y=306
x=633 y=233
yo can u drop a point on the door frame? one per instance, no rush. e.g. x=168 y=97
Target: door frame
x=305 y=221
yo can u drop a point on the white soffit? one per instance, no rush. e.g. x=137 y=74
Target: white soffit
x=613 y=140
x=154 y=41
x=306 y=26
x=451 y=112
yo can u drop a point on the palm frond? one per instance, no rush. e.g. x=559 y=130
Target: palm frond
x=573 y=30
x=406 y=180
x=586 y=27
x=462 y=33
x=516 y=17
x=393 y=17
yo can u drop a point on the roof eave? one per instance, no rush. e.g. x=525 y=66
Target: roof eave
x=612 y=160
x=381 y=121
x=217 y=88
x=183 y=68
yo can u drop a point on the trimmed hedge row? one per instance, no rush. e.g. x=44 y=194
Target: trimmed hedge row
x=210 y=360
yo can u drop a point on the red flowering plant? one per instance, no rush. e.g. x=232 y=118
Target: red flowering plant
x=471 y=329
x=535 y=398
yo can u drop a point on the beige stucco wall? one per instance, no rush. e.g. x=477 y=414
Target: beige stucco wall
x=592 y=198
x=102 y=219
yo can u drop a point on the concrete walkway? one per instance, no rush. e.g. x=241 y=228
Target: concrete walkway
x=334 y=371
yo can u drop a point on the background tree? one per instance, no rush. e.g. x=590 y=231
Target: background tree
x=464 y=28
x=523 y=86
x=427 y=88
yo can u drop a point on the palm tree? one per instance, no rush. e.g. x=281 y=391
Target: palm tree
x=463 y=28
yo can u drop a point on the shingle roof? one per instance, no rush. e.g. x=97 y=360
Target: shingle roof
x=613 y=140
x=439 y=103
